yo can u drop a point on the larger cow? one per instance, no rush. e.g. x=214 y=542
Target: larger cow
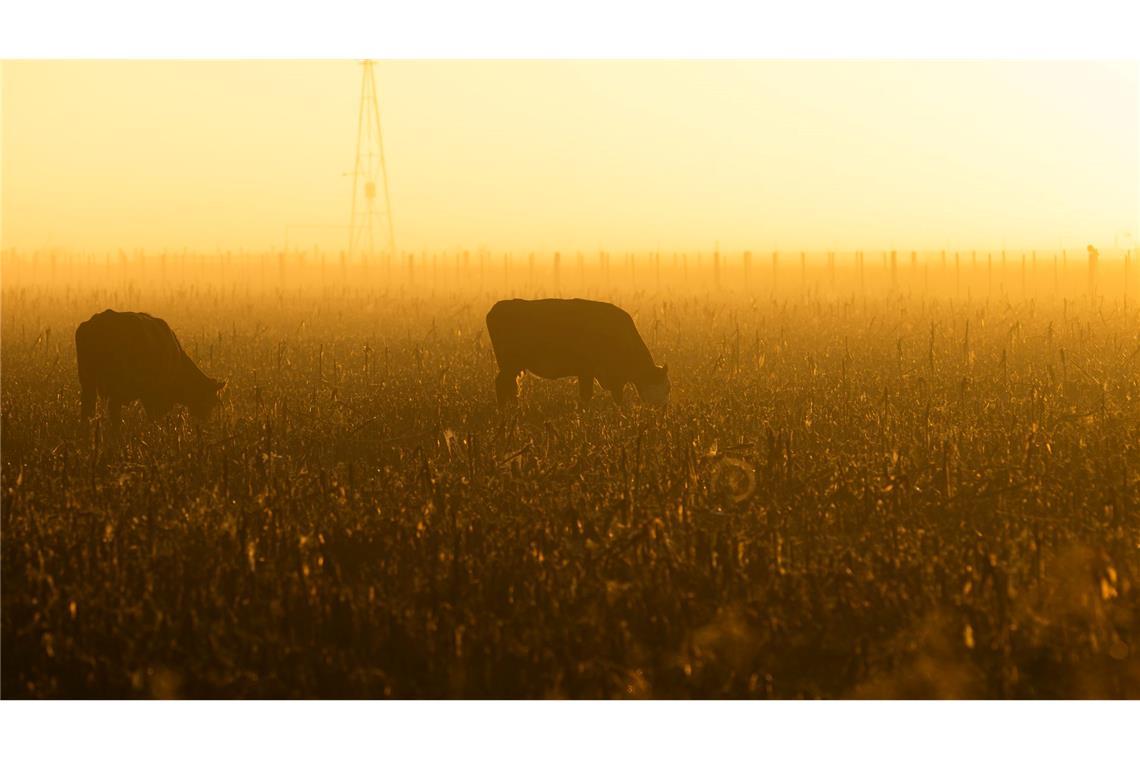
x=589 y=340
x=126 y=356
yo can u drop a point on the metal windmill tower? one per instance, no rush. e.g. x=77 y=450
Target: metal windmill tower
x=370 y=174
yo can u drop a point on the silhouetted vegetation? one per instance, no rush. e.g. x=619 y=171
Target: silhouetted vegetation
x=876 y=493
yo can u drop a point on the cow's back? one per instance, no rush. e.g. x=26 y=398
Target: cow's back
x=128 y=354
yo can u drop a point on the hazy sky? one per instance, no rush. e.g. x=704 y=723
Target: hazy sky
x=523 y=155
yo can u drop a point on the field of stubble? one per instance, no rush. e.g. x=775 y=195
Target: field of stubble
x=888 y=496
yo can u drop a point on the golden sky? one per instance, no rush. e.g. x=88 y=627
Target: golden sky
x=566 y=155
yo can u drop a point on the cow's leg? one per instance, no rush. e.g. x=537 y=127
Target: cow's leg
x=585 y=388
x=617 y=390
x=157 y=407
x=507 y=387
x=114 y=416
x=88 y=396
x=88 y=384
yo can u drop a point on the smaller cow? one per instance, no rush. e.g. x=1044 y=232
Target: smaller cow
x=127 y=356
x=589 y=340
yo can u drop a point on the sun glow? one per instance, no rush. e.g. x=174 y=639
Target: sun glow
x=549 y=155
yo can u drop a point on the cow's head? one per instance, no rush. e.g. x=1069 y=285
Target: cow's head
x=209 y=395
x=655 y=388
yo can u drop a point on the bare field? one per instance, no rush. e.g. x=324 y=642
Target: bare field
x=909 y=486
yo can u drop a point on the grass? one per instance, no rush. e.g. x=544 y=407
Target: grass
x=887 y=495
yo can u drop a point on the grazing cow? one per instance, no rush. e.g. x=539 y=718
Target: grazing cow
x=124 y=356
x=555 y=338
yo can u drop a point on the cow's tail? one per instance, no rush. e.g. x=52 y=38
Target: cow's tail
x=88 y=383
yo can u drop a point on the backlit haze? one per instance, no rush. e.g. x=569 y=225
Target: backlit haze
x=540 y=156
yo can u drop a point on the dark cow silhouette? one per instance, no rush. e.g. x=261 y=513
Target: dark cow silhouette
x=124 y=356
x=555 y=338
